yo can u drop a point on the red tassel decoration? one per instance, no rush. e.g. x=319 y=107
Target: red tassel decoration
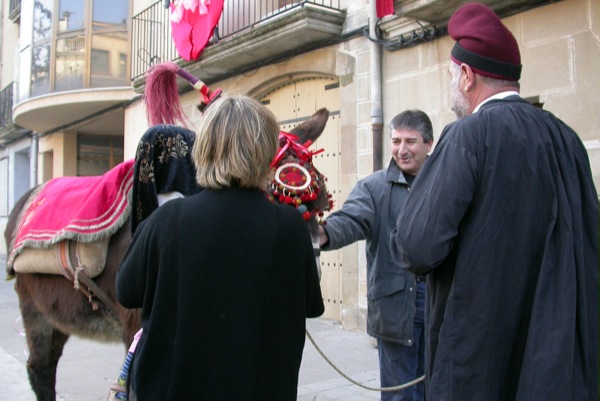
x=161 y=96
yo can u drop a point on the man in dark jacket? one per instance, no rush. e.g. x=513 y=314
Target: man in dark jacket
x=504 y=218
x=395 y=297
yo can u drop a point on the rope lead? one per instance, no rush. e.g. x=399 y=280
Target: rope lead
x=395 y=388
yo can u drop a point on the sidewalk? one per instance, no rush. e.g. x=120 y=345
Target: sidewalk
x=352 y=353
x=87 y=368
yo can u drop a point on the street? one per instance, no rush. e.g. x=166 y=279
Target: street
x=87 y=368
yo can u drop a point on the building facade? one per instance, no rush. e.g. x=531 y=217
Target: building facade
x=299 y=56
x=66 y=80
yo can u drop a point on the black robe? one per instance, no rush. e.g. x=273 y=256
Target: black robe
x=504 y=217
x=225 y=280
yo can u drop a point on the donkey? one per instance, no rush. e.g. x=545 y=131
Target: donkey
x=52 y=310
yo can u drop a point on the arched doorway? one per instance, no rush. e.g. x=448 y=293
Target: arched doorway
x=293 y=102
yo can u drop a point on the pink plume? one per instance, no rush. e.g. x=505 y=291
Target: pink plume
x=161 y=95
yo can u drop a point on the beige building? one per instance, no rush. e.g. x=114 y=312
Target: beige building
x=297 y=57
x=65 y=81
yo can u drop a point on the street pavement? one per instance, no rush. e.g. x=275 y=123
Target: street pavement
x=87 y=368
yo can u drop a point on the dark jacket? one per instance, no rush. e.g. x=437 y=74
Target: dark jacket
x=225 y=280
x=505 y=216
x=370 y=213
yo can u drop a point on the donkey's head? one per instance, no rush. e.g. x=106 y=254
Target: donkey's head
x=296 y=180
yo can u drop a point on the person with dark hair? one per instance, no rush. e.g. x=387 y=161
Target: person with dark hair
x=163 y=170
x=395 y=297
x=225 y=278
x=504 y=222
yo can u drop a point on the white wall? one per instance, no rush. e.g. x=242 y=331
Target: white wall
x=18 y=179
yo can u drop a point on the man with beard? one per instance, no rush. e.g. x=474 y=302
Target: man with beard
x=504 y=220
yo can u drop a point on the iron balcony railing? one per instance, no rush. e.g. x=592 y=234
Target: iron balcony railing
x=14 y=10
x=151 y=28
x=6 y=105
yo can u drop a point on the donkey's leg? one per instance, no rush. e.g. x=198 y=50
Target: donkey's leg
x=45 y=349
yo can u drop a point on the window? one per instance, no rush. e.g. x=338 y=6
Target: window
x=88 y=48
x=20 y=177
x=40 y=70
x=70 y=15
x=123 y=65
x=109 y=43
x=42 y=35
x=100 y=61
x=70 y=63
x=42 y=20
x=108 y=62
x=110 y=13
x=4 y=187
x=98 y=154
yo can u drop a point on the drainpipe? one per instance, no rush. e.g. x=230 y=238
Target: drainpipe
x=33 y=160
x=376 y=111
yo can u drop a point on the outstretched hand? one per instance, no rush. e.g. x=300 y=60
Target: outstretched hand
x=323 y=238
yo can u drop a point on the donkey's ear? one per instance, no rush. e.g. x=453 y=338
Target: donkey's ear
x=312 y=128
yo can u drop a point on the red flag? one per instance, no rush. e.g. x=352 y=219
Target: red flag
x=384 y=7
x=192 y=24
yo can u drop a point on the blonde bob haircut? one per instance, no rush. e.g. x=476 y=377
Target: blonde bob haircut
x=235 y=144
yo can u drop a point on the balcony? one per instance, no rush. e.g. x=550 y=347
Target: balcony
x=9 y=131
x=14 y=10
x=249 y=34
x=6 y=103
x=439 y=11
x=418 y=21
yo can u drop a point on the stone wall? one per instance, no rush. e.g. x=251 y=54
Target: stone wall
x=560 y=48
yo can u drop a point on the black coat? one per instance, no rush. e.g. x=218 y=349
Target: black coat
x=504 y=215
x=225 y=280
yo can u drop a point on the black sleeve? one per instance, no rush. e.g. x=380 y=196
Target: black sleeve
x=428 y=223
x=132 y=276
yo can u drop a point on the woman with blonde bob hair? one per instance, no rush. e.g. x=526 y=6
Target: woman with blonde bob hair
x=237 y=139
x=225 y=278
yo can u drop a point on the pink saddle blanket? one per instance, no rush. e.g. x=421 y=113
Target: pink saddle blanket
x=82 y=209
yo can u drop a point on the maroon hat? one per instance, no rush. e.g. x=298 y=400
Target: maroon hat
x=484 y=43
